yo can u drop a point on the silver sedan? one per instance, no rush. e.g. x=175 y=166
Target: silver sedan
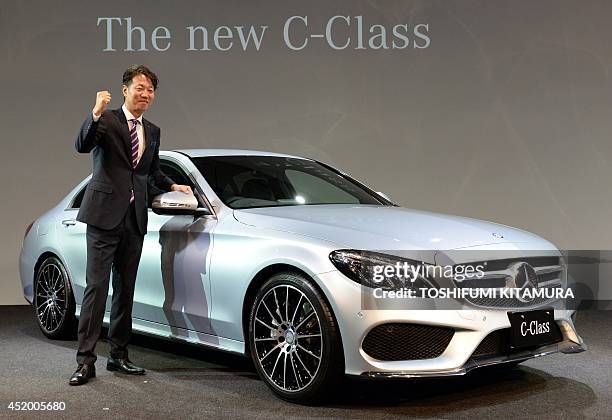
x=276 y=257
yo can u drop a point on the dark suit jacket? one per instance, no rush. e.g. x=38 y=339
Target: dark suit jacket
x=107 y=196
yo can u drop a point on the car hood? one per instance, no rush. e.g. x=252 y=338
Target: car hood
x=386 y=228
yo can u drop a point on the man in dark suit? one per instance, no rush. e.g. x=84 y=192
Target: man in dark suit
x=125 y=154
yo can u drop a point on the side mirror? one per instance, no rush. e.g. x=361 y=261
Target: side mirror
x=177 y=203
x=383 y=195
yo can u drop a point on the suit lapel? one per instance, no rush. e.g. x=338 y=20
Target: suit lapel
x=147 y=132
x=125 y=134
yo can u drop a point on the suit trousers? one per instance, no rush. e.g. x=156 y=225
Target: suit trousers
x=117 y=250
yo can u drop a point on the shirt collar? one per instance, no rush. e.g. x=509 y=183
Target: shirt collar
x=129 y=116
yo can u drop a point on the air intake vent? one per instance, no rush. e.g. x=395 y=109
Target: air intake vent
x=494 y=344
x=497 y=343
x=398 y=341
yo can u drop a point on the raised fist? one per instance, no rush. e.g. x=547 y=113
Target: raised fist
x=102 y=100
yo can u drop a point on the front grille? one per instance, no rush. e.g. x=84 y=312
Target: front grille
x=494 y=344
x=497 y=343
x=486 y=302
x=494 y=265
x=398 y=341
x=549 y=270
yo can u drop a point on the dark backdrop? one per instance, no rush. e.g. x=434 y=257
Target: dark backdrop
x=505 y=116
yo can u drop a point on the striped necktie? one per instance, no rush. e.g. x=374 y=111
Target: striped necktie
x=135 y=144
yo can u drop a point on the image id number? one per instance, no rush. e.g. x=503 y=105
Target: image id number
x=37 y=406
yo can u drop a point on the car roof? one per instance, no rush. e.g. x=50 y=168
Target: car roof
x=230 y=152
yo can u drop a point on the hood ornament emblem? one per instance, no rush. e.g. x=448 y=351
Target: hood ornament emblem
x=498 y=235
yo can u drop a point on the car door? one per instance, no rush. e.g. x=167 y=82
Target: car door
x=173 y=283
x=73 y=243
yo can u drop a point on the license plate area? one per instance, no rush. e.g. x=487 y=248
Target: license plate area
x=533 y=328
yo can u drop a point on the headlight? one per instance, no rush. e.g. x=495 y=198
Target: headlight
x=374 y=269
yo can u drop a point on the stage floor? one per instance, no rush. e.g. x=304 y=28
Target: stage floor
x=187 y=382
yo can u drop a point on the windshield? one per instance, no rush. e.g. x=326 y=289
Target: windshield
x=264 y=181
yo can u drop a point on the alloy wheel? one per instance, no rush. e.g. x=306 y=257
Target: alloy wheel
x=288 y=338
x=51 y=300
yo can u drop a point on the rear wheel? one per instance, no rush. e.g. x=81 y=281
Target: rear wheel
x=53 y=300
x=293 y=338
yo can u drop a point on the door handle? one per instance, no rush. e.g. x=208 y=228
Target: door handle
x=69 y=222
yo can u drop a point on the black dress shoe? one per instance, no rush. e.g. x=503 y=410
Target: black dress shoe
x=82 y=374
x=123 y=366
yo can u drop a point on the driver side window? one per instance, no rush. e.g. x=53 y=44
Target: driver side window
x=78 y=199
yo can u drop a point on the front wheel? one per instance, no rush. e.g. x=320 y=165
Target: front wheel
x=53 y=300
x=294 y=341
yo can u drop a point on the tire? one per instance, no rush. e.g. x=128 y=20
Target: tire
x=54 y=301
x=294 y=340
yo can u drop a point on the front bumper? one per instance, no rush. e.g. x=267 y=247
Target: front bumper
x=470 y=326
x=567 y=347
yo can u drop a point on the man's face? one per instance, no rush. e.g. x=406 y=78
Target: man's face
x=138 y=95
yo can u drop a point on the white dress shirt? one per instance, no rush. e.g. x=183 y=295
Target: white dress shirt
x=139 y=130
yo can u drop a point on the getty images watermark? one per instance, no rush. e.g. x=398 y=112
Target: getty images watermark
x=404 y=280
